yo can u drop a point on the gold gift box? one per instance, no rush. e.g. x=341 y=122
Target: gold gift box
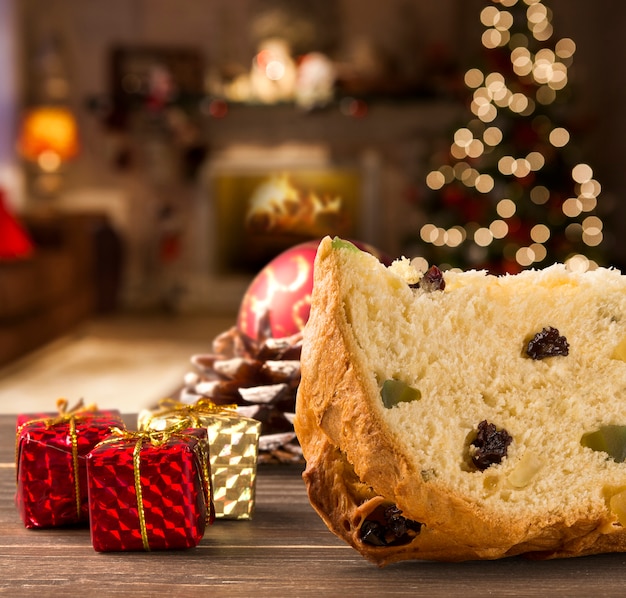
x=233 y=450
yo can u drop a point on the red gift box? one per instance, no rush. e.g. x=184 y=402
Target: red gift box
x=149 y=490
x=50 y=458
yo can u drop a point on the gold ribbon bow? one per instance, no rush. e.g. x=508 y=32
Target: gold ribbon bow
x=70 y=416
x=189 y=412
x=158 y=438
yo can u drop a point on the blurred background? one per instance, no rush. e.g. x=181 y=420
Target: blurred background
x=156 y=154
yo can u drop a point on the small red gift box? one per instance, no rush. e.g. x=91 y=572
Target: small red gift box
x=149 y=490
x=50 y=458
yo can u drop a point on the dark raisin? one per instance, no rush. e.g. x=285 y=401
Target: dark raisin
x=431 y=281
x=398 y=524
x=373 y=533
x=547 y=343
x=490 y=445
x=387 y=526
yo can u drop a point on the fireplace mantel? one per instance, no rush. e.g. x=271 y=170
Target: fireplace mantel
x=382 y=121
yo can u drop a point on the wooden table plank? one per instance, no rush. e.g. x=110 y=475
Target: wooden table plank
x=284 y=551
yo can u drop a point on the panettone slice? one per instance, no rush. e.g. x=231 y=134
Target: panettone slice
x=487 y=411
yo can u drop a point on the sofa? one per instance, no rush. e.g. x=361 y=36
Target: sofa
x=72 y=274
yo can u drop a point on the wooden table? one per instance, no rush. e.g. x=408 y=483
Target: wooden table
x=284 y=551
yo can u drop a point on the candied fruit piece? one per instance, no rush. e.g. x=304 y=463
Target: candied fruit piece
x=547 y=343
x=490 y=445
x=525 y=470
x=395 y=391
x=338 y=243
x=611 y=439
x=617 y=504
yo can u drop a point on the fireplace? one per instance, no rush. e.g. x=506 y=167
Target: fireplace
x=259 y=215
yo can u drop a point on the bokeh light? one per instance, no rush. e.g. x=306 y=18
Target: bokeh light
x=506 y=184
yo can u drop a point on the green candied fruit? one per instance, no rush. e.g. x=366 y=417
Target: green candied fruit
x=396 y=391
x=610 y=439
x=338 y=243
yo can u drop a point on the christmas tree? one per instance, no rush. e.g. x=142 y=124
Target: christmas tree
x=510 y=191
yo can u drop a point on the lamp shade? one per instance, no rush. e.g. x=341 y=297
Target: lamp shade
x=49 y=129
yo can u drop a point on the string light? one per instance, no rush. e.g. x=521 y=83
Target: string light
x=506 y=208
x=539 y=195
x=435 y=180
x=494 y=98
x=559 y=137
x=540 y=233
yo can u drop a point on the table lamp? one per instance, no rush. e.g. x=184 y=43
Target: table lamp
x=48 y=138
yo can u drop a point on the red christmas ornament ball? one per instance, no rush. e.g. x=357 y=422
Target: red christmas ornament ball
x=282 y=290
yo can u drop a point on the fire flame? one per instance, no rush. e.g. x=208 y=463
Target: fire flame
x=279 y=206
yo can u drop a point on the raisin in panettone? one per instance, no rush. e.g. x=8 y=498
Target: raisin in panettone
x=261 y=377
x=462 y=415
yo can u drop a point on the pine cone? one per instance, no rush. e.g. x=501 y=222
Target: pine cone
x=261 y=377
